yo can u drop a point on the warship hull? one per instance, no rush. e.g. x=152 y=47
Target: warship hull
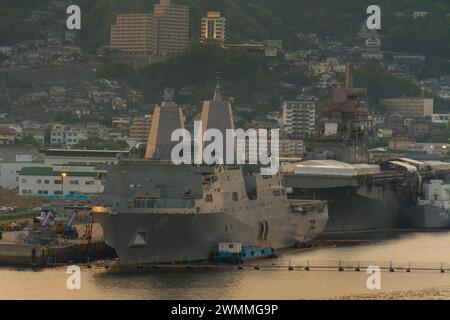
x=351 y=210
x=425 y=216
x=140 y=238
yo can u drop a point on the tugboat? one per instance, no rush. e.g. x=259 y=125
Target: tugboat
x=236 y=253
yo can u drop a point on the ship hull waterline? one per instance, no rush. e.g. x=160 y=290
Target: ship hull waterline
x=166 y=238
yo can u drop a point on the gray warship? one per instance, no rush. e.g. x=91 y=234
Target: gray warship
x=433 y=207
x=153 y=211
x=364 y=195
x=361 y=195
x=157 y=212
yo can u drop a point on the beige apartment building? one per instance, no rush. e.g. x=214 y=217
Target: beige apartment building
x=135 y=34
x=166 y=32
x=173 y=27
x=409 y=106
x=140 y=128
x=213 y=28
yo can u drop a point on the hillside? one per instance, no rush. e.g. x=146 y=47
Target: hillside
x=245 y=20
x=260 y=19
x=278 y=19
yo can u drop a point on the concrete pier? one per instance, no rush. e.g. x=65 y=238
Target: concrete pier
x=25 y=255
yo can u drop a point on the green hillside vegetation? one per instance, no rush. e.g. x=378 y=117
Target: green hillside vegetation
x=382 y=84
x=245 y=76
x=261 y=19
x=12 y=27
x=245 y=20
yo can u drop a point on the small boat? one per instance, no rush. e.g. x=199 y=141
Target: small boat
x=236 y=253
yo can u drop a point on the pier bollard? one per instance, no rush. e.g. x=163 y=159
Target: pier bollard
x=340 y=269
x=307 y=267
x=256 y=267
x=409 y=268
x=358 y=269
x=289 y=267
x=240 y=267
x=442 y=268
x=391 y=268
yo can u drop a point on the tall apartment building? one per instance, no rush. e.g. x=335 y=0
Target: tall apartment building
x=409 y=106
x=213 y=28
x=299 y=117
x=135 y=33
x=165 y=32
x=140 y=128
x=173 y=27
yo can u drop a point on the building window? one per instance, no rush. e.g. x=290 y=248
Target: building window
x=23 y=181
x=74 y=182
x=57 y=181
x=209 y=198
x=46 y=181
x=58 y=192
x=39 y=181
x=235 y=196
x=89 y=183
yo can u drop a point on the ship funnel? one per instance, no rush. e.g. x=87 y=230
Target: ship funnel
x=166 y=118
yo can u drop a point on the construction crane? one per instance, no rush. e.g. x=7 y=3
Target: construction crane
x=70 y=232
x=46 y=217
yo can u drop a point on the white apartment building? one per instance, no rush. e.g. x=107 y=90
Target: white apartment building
x=60 y=181
x=298 y=117
x=65 y=136
x=10 y=171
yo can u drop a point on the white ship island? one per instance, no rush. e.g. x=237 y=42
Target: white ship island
x=153 y=211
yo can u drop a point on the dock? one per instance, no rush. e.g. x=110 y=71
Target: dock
x=26 y=255
x=307 y=265
x=17 y=249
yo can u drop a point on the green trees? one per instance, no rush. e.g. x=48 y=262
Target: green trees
x=244 y=75
x=382 y=84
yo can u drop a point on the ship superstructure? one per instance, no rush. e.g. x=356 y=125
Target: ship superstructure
x=433 y=207
x=341 y=126
x=166 y=118
x=155 y=212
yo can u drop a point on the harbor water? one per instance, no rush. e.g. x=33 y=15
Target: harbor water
x=409 y=248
